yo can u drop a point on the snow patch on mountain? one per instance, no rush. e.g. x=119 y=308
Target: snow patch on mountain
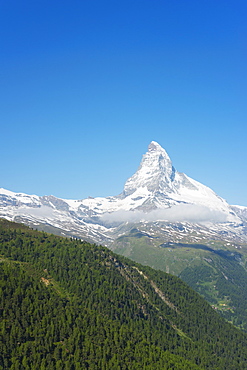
x=241 y=211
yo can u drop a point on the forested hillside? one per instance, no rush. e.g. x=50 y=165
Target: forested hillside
x=216 y=270
x=67 y=304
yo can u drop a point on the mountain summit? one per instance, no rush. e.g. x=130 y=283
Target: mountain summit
x=156 y=172
x=160 y=186
x=155 y=193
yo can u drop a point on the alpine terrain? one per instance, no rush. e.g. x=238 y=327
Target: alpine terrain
x=163 y=219
x=184 y=209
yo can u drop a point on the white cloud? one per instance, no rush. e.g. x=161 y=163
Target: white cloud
x=184 y=212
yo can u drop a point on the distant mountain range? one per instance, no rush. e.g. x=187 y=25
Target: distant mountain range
x=155 y=197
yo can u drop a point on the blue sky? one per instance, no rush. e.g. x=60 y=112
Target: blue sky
x=87 y=85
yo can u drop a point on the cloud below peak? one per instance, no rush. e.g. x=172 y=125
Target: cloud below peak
x=185 y=212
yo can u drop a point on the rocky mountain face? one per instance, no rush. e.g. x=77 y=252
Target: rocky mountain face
x=155 y=197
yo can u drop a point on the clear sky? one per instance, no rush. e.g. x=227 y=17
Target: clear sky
x=86 y=85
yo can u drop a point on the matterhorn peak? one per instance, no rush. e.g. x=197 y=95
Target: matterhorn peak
x=154 y=173
x=157 y=152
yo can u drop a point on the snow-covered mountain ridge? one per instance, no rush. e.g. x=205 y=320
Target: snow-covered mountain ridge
x=155 y=193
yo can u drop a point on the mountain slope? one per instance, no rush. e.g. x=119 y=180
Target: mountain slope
x=103 y=311
x=217 y=271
